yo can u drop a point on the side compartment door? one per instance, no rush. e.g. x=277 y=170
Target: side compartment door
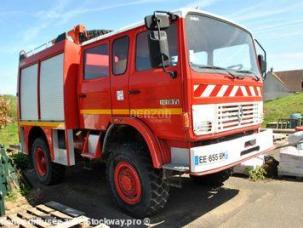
x=94 y=91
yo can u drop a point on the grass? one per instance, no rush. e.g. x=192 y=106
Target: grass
x=282 y=107
x=9 y=134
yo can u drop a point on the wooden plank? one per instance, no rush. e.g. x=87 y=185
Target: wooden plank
x=76 y=221
x=38 y=213
x=25 y=215
x=7 y=223
x=33 y=219
x=60 y=215
x=20 y=222
x=42 y=217
x=44 y=208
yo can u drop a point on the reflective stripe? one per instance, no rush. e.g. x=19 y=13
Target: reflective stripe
x=252 y=91
x=203 y=90
x=149 y=111
x=222 y=91
x=234 y=91
x=208 y=90
x=259 y=91
x=244 y=91
x=96 y=111
x=42 y=124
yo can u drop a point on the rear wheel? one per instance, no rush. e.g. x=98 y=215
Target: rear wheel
x=135 y=185
x=213 y=180
x=47 y=172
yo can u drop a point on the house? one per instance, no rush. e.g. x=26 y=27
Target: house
x=292 y=79
x=283 y=83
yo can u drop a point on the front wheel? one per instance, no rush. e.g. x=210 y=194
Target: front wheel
x=134 y=184
x=47 y=172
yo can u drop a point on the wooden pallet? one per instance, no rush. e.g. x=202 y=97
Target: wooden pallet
x=51 y=214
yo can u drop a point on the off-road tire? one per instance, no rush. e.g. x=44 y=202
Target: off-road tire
x=55 y=172
x=213 y=180
x=155 y=190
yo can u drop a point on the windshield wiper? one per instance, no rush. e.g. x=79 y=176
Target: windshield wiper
x=216 y=68
x=249 y=72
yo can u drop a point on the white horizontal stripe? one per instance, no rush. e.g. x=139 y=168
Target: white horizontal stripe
x=208 y=90
x=222 y=91
x=252 y=91
x=243 y=89
x=234 y=91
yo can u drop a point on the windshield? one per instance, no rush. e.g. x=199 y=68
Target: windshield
x=216 y=45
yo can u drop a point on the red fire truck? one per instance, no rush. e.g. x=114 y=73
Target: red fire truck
x=180 y=93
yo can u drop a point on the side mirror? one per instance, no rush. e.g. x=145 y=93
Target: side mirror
x=158 y=48
x=158 y=19
x=263 y=64
x=157 y=39
x=262 y=60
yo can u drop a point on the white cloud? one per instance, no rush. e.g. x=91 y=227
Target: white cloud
x=262 y=10
x=67 y=15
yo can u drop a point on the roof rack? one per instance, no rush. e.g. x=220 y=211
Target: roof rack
x=78 y=35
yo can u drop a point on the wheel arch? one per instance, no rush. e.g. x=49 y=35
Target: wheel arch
x=37 y=132
x=129 y=126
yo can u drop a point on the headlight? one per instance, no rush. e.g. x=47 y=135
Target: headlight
x=204 y=118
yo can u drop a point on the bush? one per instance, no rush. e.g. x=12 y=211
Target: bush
x=4 y=111
x=21 y=161
x=256 y=174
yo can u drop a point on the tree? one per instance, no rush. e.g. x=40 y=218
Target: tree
x=4 y=111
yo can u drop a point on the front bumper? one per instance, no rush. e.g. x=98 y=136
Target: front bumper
x=220 y=156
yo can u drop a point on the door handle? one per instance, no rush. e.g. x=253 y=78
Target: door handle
x=133 y=91
x=82 y=95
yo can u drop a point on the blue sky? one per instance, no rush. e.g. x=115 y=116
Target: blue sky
x=277 y=24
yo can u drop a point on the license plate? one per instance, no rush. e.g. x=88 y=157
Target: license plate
x=211 y=158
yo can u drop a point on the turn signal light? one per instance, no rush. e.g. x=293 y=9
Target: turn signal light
x=186 y=120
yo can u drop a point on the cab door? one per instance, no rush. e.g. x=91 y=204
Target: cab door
x=120 y=75
x=94 y=92
x=156 y=97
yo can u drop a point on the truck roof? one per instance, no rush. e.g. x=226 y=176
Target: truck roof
x=181 y=13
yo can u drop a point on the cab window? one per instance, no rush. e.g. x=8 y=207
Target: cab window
x=142 y=49
x=120 y=55
x=96 y=62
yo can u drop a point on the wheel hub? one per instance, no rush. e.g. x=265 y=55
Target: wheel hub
x=127 y=183
x=41 y=162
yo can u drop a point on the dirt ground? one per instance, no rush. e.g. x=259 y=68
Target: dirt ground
x=240 y=202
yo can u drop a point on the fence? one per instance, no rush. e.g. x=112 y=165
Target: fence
x=8 y=177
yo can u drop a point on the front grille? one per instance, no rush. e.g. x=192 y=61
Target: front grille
x=232 y=116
